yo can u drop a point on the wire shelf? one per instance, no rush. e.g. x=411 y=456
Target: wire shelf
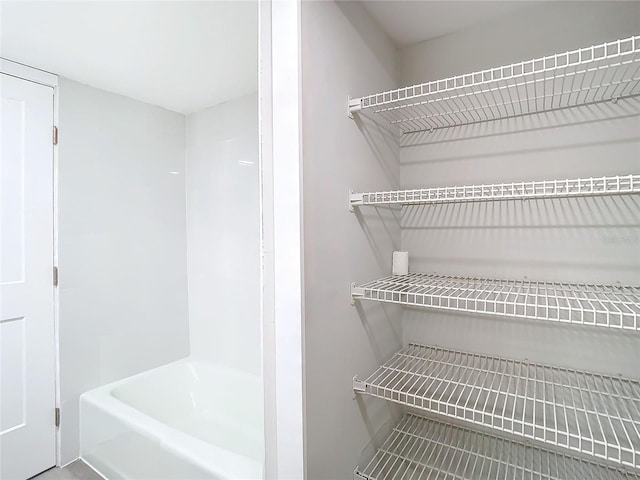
x=577 y=187
x=584 y=304
x=608 y=71
x=585 y=412
x=421 y=449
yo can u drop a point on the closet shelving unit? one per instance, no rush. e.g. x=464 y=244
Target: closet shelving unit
x=614 y=306
x=609 y=71
x=572 y=424
x=594 y=414
x=576 y=187
x=421 y=448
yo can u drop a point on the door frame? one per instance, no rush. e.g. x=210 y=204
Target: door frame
x=282 y=280
x=42 y=77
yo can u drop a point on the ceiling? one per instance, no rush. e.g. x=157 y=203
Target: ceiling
x=408 y=22
x=180 y=55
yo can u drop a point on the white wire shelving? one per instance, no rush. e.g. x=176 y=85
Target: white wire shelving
x=421 y=449
x=584 y=304
x=577 y=187
x=608 y=71
x=585 y=412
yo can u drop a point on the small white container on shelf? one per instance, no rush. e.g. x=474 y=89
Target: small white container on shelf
x=400 y=264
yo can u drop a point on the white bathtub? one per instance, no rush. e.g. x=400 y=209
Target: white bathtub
x=182 y=421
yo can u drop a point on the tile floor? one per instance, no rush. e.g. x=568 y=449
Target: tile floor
x=77 y=470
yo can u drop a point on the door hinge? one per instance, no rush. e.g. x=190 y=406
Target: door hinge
x=55 y=276
x=55 y=135
x=57 y=417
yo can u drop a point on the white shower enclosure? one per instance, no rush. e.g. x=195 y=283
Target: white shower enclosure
x=157 y=210
x=187 y=413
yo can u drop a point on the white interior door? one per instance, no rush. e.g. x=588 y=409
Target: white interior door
x=27 y=348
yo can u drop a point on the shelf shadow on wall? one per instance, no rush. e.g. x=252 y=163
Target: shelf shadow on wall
x=378 y=435
x=383 y=142
x=595 y=349
x=579 y=212
x=589 y=239
x=553 y=119
x=392 y=326
x=525 y=151
x=389 y=219
x=390 y=316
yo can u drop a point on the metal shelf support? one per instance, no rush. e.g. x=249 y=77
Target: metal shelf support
x=355 y=200
x=354 y=105
x=357 y=293
x=358 y=476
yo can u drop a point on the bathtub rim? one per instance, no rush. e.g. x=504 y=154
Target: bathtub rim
x=188 y=447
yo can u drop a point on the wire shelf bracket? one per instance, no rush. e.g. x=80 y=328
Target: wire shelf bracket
x=355 y=200
x=357 y=475
x=357 y=293
x=419 y=448
x=612 y=306
x=606 y=72
x=577 y=187
x=353 y=105
x=590 y=413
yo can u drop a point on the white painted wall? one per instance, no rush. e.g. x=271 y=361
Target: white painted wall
x=283 y=280
x=223 y=234
x=580 y=239
x=343 y=53
x=530 y=33
x=173 y=54
x=122 y=243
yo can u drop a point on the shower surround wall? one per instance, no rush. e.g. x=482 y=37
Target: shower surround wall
x=122 y=244
x=223 y=234
x=127 y=206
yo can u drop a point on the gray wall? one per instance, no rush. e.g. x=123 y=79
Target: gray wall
x=546 y=29
x=122 y=243
x=579 y=240
x=343 y=53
